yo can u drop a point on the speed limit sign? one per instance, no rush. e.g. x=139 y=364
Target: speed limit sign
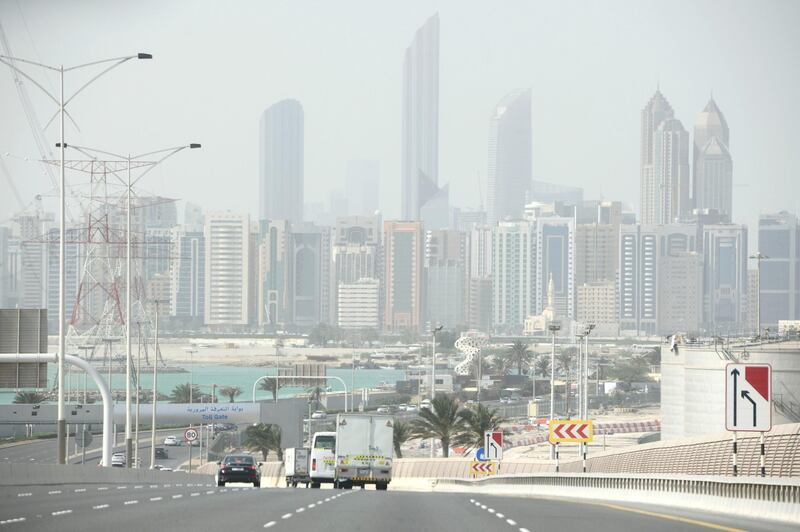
x=190 y=434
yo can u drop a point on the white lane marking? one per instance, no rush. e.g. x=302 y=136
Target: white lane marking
x=80 y=490
x=311 y=505
x=210 y=492
x=270 y=524
x=100 y=507
x=122 y=487
x=167 y=485
x=498 y=514
x=102 y=488
x=195 y=494
x=235 y=489
x=154 y=499
x=472 y=501
x=153 y=485
x=490 y=510
x=319 y=502
x=61 y=512
x=327 y=499
x=138 y=487
x=483 y=506
x=223 y=490
x=24 y=494
x=178 y=485
x=15 y=520
x=511 y=522
x=524 y=530
x=178 y=496
x=300 y=510
x=126 y=503
x=54 y=492
x=286 y=516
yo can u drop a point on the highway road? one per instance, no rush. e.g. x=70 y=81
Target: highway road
x=200 y=506
x=44 y=451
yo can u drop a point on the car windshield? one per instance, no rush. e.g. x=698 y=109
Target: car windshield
x=239 y=460
x=325 y=442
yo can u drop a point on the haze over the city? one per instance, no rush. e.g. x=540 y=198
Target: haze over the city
x=591 y=68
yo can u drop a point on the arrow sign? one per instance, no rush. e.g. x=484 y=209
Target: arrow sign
x=571 y=431
x=752 y=383
x=493 y=444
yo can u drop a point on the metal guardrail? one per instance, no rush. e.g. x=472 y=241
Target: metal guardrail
x=755 y=489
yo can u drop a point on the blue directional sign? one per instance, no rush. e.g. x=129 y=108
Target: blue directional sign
x=480 y=455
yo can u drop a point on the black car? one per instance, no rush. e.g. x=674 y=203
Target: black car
x=161 y=453
x=239 y=468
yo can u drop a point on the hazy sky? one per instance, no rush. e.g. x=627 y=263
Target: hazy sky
x=592 y=67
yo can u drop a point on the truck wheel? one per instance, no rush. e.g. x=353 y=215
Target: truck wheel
x=294 y=484
x=257 y=484
x=381 y=487
x=315 y=485
x=348 y=485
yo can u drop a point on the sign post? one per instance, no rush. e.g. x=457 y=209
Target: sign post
x=571 y=431
x=190 y=435
x=748 y=404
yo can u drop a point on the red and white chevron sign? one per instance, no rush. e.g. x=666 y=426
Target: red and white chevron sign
x=571 y=430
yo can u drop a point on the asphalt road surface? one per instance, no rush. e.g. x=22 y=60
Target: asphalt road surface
x=201 y=506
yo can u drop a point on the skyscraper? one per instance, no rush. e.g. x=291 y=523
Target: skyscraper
x=188 y=274
x=227 y=263
x=447 y=281
x=555 y=239
x=281 y=151
x=403 y=262
x=514 y=279
x=725 y=278
x=779 y=239
x=671 y=171
x=510 y=146
x=420 y=120
x=356 y=255
x=272 y=272
x=310 y=298
x=713 y=166
x=654 y=113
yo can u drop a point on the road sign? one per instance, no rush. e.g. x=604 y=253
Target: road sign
x=480 y=454
x=190 y=434
x=748 y=397
x=571 y=431
x=493 y=444
x=83 y=438
x=483 y=468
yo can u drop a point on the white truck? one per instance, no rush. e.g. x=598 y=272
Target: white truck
x=322 y=458
x=364 y=446
x=296 y=461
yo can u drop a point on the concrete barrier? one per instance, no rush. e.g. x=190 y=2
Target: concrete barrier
x=753 y=497
x=29 y=474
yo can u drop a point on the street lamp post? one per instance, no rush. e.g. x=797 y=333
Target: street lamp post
x=433 y=361
x=585 y=386
x=155 y=396
x=554 y=328
x=62 y=103
x=758 y=256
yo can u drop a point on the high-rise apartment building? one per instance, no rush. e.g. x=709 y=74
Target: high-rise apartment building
x=654 y=113
x=309 y=289
x=555 y=238
x=403 y=277
x=596 y=252
x=447 y=277
x=510 y=159
x=680 y=293
x=273 y=273
x=362 y=187
x=597 y=304
x=712 y=163
x=779 y=240
x=187 y=275
x=356 y=252
x=514 y=274
x=671 y=171
x=227 y=276
x=359 y=304
x=420 y=120
x=281 y=156
x=725 y=278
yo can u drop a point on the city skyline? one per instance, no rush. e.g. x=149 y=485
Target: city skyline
x=612 y=173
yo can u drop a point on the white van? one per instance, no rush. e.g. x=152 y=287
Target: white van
x=322 y=462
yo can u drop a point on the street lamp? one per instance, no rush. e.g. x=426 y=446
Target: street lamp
x=585 y=383
x=155 y=394
x=554 y=328
x=759 y=257
x=146 y=161
x=62 y=103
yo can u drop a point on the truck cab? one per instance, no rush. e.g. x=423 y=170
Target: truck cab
x=322 y=460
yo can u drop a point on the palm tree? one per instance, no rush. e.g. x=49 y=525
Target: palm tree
x=500 y=364
x=29 y=398
x=441 y=421
x=231 y=392
x=185 y=393
x=315 y=396
x=542 y=365
x=402 y=433
x=263 y=438
x=270 y=385
x=476 y=422
x=519 y=355
x=564 y=365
